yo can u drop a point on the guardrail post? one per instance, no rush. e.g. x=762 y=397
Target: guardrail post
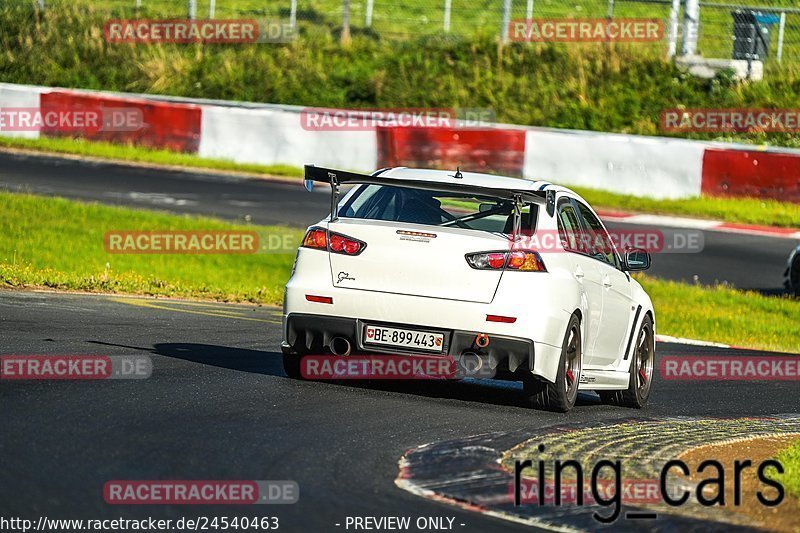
x=293 y=15
x=781 y=28
x=192 y=9
x=368 y=16
x=447 y=5
x=691 y=20
x=529 y=11
x=672 y=48
x=506 y=19
x=345 y=21
x=212 y=8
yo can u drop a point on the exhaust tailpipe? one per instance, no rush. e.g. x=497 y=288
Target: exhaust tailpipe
x=470 y=363
x=340 y=346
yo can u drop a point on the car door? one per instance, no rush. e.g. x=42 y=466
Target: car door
x=584 y=270
x=615 y=289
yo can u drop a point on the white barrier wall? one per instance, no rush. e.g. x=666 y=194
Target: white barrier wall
x=273 y=136
x=657 y=167
x=19 y=96
x=641 y=166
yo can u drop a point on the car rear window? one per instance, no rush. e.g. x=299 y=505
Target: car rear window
x=433 y=208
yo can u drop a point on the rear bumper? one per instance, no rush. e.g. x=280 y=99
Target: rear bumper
x=309 y=332
x=542 y=305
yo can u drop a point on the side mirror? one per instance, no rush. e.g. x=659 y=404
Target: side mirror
x=482 y=208
x=637 y=259
x=308 y=184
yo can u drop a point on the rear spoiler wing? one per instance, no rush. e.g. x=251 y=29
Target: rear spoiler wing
x=336 y=178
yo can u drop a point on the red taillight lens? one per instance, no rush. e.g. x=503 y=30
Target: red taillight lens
x=496 y=261
x=321 y=239
x=351 y=247
x=337 y=243
x=522 y=260
x=316 y=238
x=526 y=261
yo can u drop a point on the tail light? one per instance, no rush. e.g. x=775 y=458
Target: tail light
x=336 y=243
x=522 y=260
x=316 y=238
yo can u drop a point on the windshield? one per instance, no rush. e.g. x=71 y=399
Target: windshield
x=433 y=208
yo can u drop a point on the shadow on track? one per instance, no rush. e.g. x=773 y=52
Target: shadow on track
x=495 y=392
x=242 y=359
x=266 y=362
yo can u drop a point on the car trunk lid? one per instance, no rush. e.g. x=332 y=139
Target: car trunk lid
x=416 y=260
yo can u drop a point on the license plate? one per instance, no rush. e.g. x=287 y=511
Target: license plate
x=406 y=338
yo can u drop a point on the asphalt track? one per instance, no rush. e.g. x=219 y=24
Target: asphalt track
x=745 y=261
x=218 y=406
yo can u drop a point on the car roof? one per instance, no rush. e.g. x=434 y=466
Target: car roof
x=477 y=179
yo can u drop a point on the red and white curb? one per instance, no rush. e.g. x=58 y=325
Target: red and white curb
x=695 y=223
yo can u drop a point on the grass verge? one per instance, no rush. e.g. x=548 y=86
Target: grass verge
x=739 y=210
x=790 y=459
x=137 y=154
x=726 y=315
x=57 y=243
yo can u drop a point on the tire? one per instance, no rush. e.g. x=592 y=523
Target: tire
x=291 y=365
x=561 y=395
x=641 y=370
x=794 y=276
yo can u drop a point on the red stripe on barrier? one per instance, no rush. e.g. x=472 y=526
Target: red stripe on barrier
x=751 y=173
x=477 y=149
x=164 y=125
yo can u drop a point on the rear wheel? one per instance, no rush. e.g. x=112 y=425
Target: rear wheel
x=561 y=395
x=641 y=370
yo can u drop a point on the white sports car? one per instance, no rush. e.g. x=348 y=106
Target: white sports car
x=467 y=259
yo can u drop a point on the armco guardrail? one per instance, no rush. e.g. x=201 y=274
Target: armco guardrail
x=269 y=134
